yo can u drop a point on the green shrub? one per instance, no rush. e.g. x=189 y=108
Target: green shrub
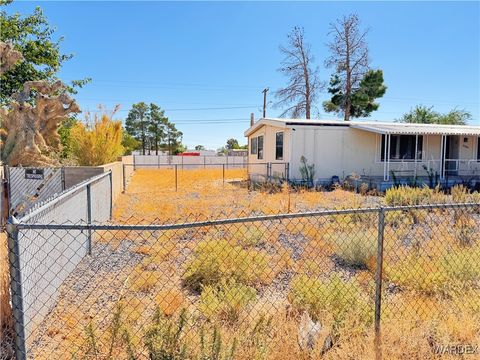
x=357 y=249
x=168 y=339
x=164 y=339
x=406 y=195
x=331 y=298
x=225 y=303
x=248 y=236
x=214 y=262
x=417 y=273
x=462 y=266
x=437 y=275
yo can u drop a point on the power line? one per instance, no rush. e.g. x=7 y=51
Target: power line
x=183 y=109
x=232 y=86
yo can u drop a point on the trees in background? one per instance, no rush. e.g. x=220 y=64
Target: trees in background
x=157 y=126
x=232 y=144
x=151 y=128
x=137 y=123
x=353 y=86
x=173 y=140
x=304 y=84
x=129 y=143
x=199 y=147
x=42 y=58
x=421 y=114
x=97 y=143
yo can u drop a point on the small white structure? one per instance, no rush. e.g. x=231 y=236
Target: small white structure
x=374 y=150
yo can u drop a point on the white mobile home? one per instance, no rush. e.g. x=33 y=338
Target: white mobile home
x=375 y=150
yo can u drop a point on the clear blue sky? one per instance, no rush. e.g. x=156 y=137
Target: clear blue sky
x=222 y=54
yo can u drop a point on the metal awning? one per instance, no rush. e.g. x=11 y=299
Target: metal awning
x=419 y=129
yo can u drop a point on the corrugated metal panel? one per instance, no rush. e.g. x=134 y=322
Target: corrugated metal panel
x=414 y=129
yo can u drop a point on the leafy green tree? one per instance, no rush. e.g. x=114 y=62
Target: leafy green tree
x=129 y=143
x=232 y=144
x=422 y=114
x=157 y=126
x=137 y=123
x=34 y=38
x=455 y=117
x=362 y=99
x=199 y=147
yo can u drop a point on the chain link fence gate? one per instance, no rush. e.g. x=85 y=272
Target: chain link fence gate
x=28 y=186
x=324 y=284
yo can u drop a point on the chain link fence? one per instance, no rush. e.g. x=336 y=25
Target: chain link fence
x=402 y=280
x=193 y=161
x=184 y=176
x=41 y=261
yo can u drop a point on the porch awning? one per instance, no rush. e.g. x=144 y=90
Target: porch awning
x=419 y=129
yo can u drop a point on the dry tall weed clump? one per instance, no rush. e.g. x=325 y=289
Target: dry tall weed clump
x=98 y=143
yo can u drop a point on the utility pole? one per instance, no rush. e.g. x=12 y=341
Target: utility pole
x=265 y=101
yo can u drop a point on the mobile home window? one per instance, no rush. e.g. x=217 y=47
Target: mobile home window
x=260 y=147
x=402 y=147
x=279 y=146
x=478 y=148
x=253 y=146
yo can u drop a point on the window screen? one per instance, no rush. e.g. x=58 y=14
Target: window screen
x=402 y=147
x=260 y=147
x=253 y=146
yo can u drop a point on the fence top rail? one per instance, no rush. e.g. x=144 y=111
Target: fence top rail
x=201 y=164
x=54 y=200
x=32 y=167
x=152 y=227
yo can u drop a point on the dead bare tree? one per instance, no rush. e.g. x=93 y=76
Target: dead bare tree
x=349 y=56
x=302 y=90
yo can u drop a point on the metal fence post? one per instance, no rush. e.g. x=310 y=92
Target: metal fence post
x=176 y=176
x=378 y=282
x=9 y=189
x=286 y=171
x=223 y=174
x=124 y=180
x=110 y=176
x=63 y=177
x=89 y=219
x=16 y=289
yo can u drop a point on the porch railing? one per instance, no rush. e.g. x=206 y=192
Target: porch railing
x=450 y=167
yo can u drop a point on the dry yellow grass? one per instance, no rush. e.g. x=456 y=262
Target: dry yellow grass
x=202 y=195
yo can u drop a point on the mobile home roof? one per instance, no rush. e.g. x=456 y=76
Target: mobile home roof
x=377 y=127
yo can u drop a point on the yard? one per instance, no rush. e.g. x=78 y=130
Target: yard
x=289 y=288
